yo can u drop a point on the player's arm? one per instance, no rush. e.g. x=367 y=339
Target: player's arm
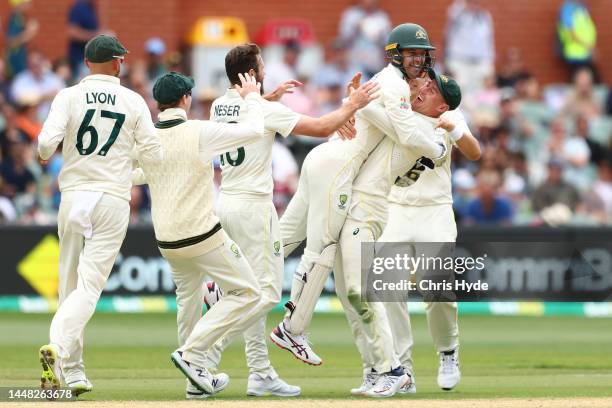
x=147 y=143
x=329 y=123
x=217 y=138
x=461 y=136
x=405 y=123
x=54 y=128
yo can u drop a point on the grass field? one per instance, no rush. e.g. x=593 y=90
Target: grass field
x=127 y=358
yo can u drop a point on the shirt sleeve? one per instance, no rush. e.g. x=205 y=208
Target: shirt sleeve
x=279 y=118
x=217 y=138
x=54 y=128
x=395 y=118
x=147 y=141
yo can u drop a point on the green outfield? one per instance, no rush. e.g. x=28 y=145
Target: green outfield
x=127 y=358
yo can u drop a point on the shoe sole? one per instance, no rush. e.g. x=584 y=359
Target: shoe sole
x=185 y=372
x=79 y=389
x=289 y=350
x=372 y=395
x=47 y=357
x=272 y=394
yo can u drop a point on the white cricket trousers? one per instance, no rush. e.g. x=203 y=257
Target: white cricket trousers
x=368 y=320
x=253 y=224
x=320 y=205
x=432 y=223
x=84 y=267
x=225 y=263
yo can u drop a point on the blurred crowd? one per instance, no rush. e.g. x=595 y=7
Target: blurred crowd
x=546 y=150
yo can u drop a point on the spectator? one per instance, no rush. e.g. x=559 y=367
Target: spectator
x=582 y=131
x=470 y=48
x=5 y=84
x=61 y=68
x=512 y=69
x=27 y=115
x=285 y=175
x=489 y=207
x=278 y=72
x=577 y=35
x=365 y=28
x=554 y=190
x=581 y=98
x=463 y=194
x=602 y=187
x=155 y=49
x=21 y=29
x=38 y=79
x=338 y=67
x=576 y=154
x=17 y=178
x=82 y=26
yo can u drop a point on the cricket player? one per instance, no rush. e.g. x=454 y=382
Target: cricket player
x=99 y=122
x=246 y=194
x=424 y=201
x=187 y=230
x=318 y=209
x=437 y=100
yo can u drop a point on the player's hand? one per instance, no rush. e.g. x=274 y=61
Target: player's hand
x=284 y=88
x=363 y=95
x=247 y=85
x=348 y=131
x=353 y=84
x=445 y=123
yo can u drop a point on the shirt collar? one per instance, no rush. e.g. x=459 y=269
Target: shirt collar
x=101 y=77
x=171 y=114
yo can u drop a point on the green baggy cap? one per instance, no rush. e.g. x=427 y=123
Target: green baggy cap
x=171 y=87
x=104 y=48
x=449 y=89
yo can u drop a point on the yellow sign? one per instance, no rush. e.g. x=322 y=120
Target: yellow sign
x=39 y=267
x=218 y=31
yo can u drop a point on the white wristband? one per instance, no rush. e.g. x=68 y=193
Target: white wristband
x=456 y=133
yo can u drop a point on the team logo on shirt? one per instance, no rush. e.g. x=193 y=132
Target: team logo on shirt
x=404 y=103
x=277 y=247
x=235 y=250
x=356 y=231
x=343 y=198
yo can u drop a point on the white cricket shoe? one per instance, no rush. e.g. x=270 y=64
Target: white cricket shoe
x=387 y=385
x=52 y=372
x=212 y=294
x=200 y=377
x=369 y=379
x=80 y=386
x=260 y=387
x=219 y=382
x=448 y=370
x=296 y=344
x=409 y=387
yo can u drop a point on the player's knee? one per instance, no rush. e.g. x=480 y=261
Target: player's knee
x=363 y=309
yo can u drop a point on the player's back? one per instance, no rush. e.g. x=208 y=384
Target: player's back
x=103 y=117
x=247 y=171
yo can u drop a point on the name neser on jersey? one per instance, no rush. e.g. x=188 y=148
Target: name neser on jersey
x=227 y=110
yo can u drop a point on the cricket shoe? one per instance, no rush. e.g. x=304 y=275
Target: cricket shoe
x=200 y=377
x=296 y=344
x=409 y=387
x=259 y=386
x=80 y=386
x=388 y=384
x=52 y=373
x=448 y=370
x=219 y=382
x=212 y=294
x=369 y=379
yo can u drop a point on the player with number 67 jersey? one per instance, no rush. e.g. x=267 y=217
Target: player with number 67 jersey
x=99 y=122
